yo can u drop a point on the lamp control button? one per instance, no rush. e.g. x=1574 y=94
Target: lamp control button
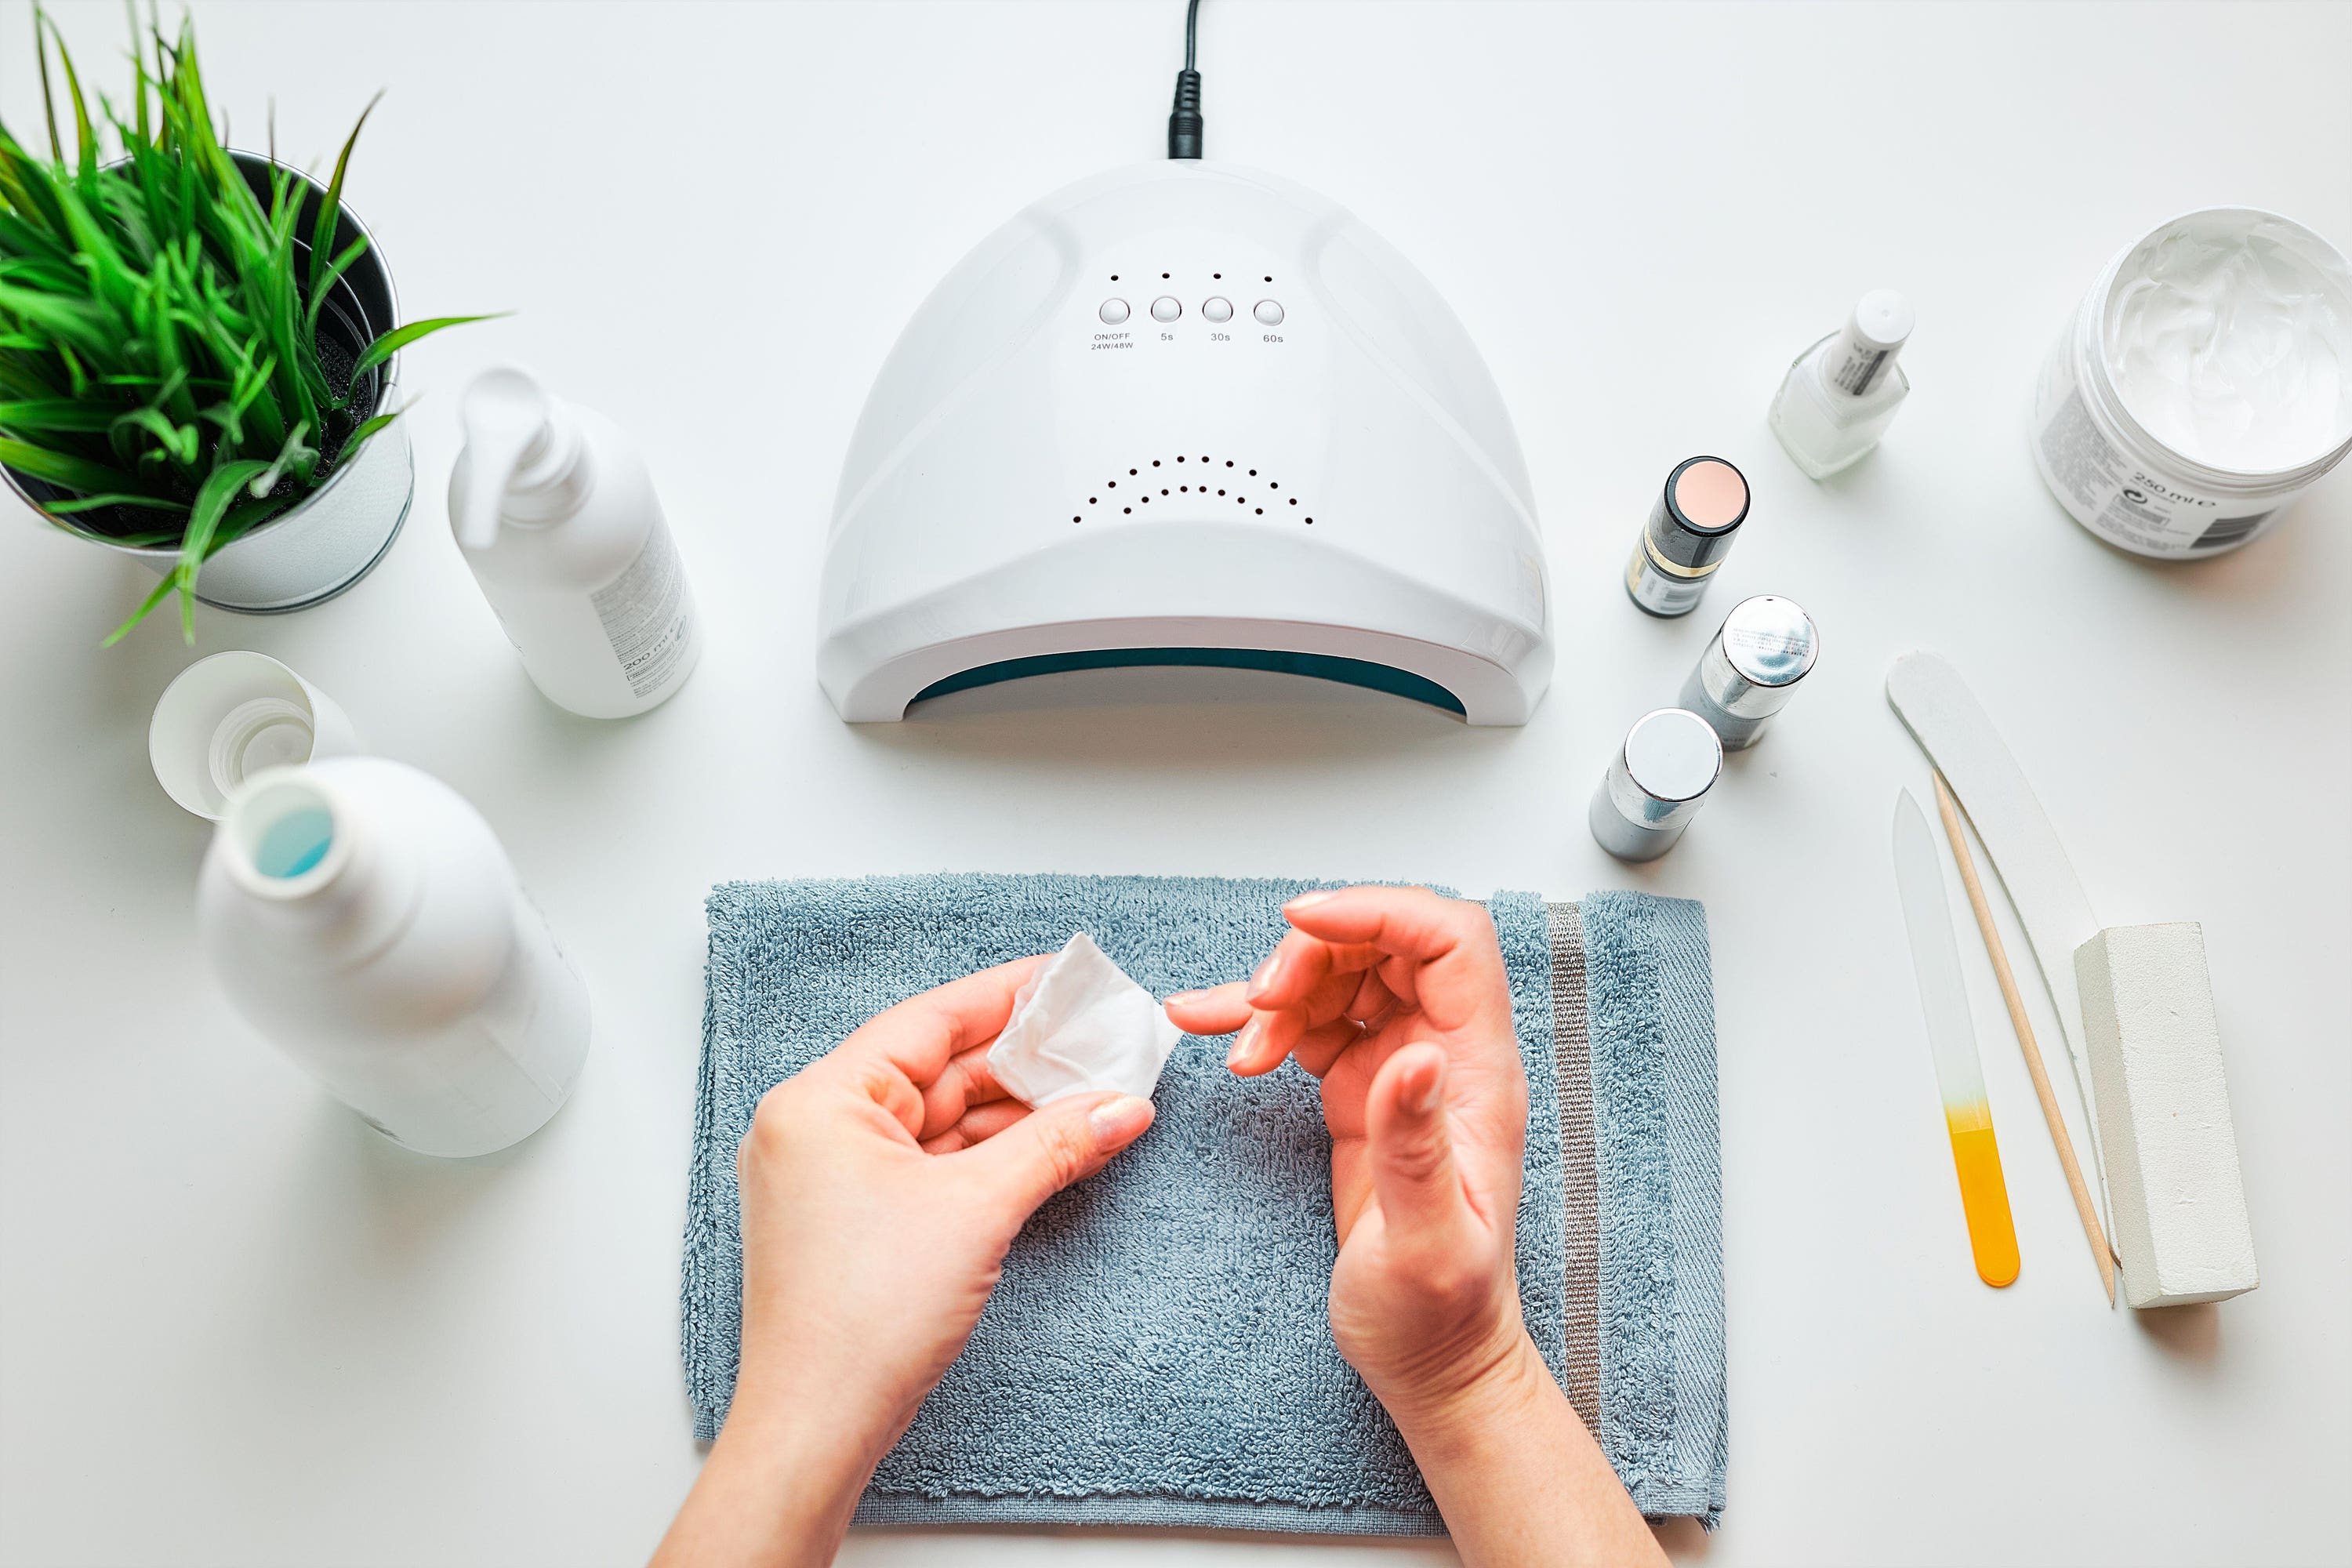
x=1166 y=309
x=1217 y=309
x=1113 y=312
x=1268 y=314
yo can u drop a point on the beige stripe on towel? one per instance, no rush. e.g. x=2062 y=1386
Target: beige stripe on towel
x=1573 y=1051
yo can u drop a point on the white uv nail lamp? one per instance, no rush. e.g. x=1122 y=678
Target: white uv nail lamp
x=1185 y=413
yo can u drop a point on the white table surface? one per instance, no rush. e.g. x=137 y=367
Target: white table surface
x=237 y=1328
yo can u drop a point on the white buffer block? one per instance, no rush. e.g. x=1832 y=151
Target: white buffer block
x=2171 y=1152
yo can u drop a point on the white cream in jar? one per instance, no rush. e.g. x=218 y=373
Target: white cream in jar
x=2205 y=382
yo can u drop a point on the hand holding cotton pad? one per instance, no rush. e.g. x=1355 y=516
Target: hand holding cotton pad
x=1078 y=1026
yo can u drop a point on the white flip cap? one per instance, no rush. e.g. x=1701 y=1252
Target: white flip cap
x=232 y=715
x=511 y=442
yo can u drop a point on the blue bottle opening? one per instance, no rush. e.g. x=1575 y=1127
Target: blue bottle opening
x=295 y=841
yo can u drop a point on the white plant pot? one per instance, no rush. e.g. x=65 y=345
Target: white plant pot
x=314 y=551
x=310 y=554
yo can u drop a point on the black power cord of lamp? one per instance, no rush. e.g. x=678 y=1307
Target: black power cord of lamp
x=1184 y=120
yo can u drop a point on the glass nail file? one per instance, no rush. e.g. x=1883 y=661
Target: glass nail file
x=1952 y=1040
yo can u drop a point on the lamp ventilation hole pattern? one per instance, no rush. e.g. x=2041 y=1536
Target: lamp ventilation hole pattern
x=1186 y=481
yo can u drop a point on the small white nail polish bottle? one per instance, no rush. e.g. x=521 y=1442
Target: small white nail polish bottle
x=1842 y=393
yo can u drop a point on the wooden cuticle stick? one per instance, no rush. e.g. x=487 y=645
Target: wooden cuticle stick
x=2101 y=1253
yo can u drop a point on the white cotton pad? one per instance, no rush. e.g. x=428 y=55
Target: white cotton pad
x=2164 y=1114
x=1080 y=1025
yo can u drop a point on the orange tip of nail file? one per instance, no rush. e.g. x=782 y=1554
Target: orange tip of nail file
x=1984 y=1196
x=1952 y=1041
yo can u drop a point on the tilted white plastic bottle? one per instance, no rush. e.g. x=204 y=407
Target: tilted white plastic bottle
x=556 y=514
x=363 y=915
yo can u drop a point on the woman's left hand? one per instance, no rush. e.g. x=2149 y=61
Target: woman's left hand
x=880 y=1189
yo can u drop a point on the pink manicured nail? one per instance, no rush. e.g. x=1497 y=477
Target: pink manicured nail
x=1181 y=996
x=1424 y=1098
x=1120 y=1119
x=1246 y=1044
x=1267 y=974
x=1308 y=900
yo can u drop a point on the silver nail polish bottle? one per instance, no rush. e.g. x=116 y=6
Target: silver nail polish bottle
x=1748 y=672
x=1655 y=783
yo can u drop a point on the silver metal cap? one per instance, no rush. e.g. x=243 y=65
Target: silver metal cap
x=1765 y=647
x=1671 y=758
x=1655 y=784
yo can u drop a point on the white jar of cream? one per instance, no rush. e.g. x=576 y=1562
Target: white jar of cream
x=2204 y=383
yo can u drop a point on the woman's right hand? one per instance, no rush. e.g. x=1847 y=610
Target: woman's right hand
x=1396 y=998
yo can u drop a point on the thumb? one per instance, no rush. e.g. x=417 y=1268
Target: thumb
x=1413 y=1172
x=1058 y=1144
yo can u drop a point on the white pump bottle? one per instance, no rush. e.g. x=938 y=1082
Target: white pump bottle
x=556 y=514
x=363 y=915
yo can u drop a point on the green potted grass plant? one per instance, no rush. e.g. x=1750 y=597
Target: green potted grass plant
x=197 y=346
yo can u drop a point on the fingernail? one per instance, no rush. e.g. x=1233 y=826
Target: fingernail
x=1424 y=1096
x=1308 y=900
x=1179 y=996
x=1245 y=1043
x=1118 y=1119
x=1267 y=974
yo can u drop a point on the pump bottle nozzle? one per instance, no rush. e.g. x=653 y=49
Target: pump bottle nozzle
x=505 y=415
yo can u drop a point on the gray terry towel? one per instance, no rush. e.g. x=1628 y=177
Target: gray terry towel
x=1157 y=1350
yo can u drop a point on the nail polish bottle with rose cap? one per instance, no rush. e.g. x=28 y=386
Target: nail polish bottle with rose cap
x=1690 y=531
